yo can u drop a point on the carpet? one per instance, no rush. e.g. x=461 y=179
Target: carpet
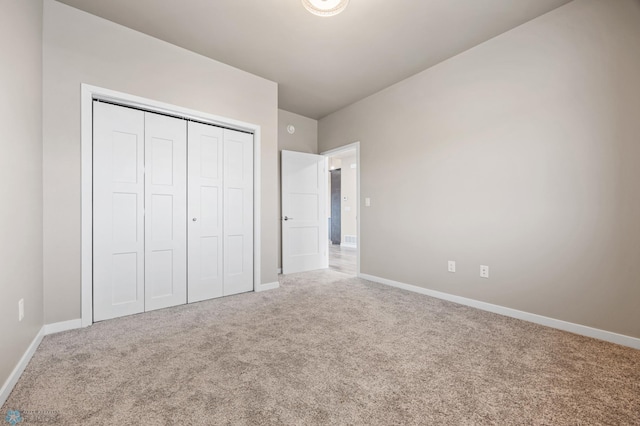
x=329 y=349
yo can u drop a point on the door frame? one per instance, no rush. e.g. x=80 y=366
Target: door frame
x=88 y=94
x=348 y=147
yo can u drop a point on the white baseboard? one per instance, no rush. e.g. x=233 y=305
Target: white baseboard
x=46 y=329
x=583 y=330
x=57 y=327
x=279 y=271
x=11 y=381
x=268 y=286
x=348 y=245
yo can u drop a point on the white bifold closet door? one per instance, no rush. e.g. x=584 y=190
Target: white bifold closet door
x=238 y=212
x=143 y=169
x=205 y=212
x=165 y=254
x=139 y=211
x=220 y=212
x=118 y=211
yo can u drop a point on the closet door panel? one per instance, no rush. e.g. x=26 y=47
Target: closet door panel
x=166 y=213
x=238 y=212
x=205 y=211
x=118 y=211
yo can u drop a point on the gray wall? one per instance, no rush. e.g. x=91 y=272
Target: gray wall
x=21 y=177
x=81 y=48
x=521 y=154
x=305 y=139
x=349 y=189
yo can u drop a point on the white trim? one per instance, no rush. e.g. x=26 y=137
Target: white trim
x=620 y=339
x=356 y=146
x=13 y=378
x=88 y=94
x=279 y=271
x=58 y=327
x=349 y=245
x=86 y=153
x=268 y=286
x=257 y=230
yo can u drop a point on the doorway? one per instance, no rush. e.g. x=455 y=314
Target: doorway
x=343 y=209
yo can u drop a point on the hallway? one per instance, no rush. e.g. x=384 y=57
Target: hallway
x=343 y=259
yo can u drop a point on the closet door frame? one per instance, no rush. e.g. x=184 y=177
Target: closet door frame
x=90 y=93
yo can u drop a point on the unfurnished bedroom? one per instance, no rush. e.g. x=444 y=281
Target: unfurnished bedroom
x=310 y=212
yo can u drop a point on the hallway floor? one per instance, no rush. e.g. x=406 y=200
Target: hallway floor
x=343 y=259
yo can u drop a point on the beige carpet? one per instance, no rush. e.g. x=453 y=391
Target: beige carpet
x=327 y=349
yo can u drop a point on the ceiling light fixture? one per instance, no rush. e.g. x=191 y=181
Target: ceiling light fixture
x=325 y=7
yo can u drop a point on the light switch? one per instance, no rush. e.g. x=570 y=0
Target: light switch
x=367 y=202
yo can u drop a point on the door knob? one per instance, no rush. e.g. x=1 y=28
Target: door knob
x=194 y=219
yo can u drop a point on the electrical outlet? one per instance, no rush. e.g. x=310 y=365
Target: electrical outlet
x=20 y=309
x=452 y=266
x=484 y=271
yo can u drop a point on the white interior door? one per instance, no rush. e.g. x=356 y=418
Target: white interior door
x=118 y=211
x=166 y=211
x=205 y=211
x=304 y=223
x=238 y=212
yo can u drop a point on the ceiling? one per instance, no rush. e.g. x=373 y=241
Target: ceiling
x=323 y=64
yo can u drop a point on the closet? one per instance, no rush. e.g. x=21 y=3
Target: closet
x=172 y=211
